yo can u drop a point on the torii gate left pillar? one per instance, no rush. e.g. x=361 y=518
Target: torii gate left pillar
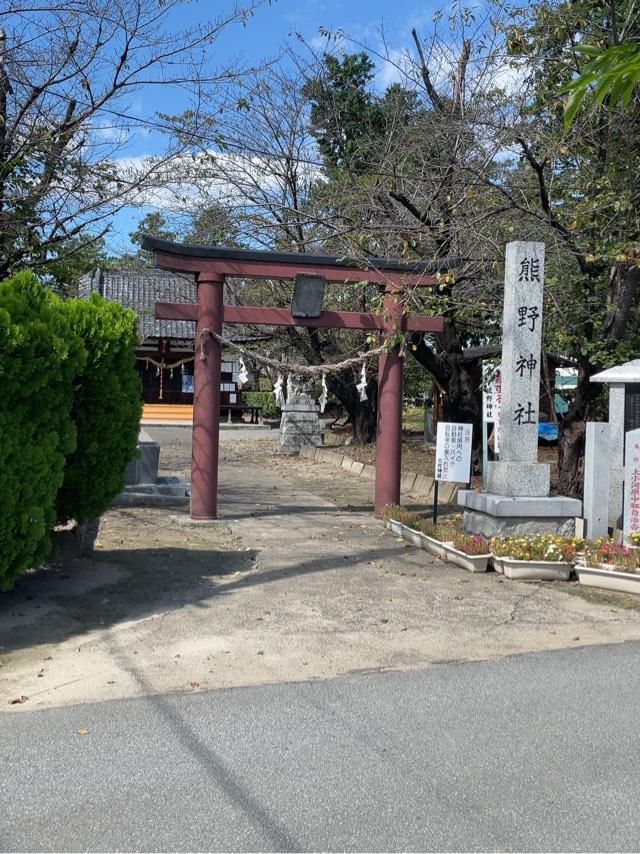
x=211 y=265
x=205 y=437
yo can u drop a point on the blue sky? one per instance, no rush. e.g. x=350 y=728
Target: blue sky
x=267 y=30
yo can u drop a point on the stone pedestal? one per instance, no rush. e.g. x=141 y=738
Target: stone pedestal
x=516 y=479
x=300 y=424
x=501 y=516
x=143 y=469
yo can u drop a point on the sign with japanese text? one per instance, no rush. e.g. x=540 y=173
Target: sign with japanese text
x=521 y=351
x=631 y=517
x=453 y=452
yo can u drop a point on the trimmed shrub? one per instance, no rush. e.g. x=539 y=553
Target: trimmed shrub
x=265 y=399
x=106 y=408
x=39 y=359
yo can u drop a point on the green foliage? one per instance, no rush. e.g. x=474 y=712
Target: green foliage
x=265 y=399
x=106 y=408
x=612 y=73
x=39 y=359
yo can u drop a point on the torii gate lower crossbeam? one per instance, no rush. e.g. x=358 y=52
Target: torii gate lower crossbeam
x=211 y=265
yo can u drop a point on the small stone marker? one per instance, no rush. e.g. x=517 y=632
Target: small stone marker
x=518 y=473
x=596 y=480
x=631 y=520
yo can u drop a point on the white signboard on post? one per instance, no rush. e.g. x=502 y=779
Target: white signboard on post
x=453 y=452
x=492 y=398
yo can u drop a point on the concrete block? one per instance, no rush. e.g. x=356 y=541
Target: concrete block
x=509 y=526
x=596 y=480
x=143 y=469
x=357 y=467
x=346 y=463
x=368 y=472
x=407 y=481
x=423 y=485
x=502 y=506
x=447 y=492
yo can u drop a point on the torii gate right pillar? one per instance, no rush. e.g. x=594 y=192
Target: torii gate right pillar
x=389 y=433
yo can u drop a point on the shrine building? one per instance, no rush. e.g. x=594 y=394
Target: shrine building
x=165 y=354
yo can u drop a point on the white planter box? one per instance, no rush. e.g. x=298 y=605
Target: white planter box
x=534 y=570
x=497 y=564
x=608 y=579
x=422 y=541
x=472 y=563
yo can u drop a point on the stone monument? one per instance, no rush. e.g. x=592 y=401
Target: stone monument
x=624 y=415
x=517 y=498
x=300 y=424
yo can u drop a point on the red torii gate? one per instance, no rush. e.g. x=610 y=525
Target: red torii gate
x=211 y=265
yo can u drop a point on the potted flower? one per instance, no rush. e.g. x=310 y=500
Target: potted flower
x=544 y=557
x=634 y=539
x=416 y=529
x=610 y=566
x=470 y=551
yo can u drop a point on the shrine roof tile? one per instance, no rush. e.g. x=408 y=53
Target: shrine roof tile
x=139 y=290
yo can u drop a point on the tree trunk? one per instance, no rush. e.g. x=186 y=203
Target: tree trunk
x=462 y=381
x=363 y=414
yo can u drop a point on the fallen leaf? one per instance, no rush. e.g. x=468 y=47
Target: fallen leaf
x=459 y=598
x=83 y=731
x=384 y=620
x=195 y=684
x=260 y=652
x=577 y=637
x=16 y=700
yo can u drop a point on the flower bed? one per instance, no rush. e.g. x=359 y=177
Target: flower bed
x=470 y=551
x=610 y=566
x=466 y=550
x=546 y=557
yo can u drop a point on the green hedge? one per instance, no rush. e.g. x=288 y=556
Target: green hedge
x=106 y=408
x=39 y=357
x=265 y=399
x=69 y=414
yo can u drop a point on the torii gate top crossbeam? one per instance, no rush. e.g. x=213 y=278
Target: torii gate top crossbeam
x=204 y=260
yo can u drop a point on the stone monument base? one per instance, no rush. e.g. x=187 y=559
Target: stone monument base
x=519 y=479
x=300 y=425
x=504 y=516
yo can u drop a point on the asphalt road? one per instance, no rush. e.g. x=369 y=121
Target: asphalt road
x=535 y=752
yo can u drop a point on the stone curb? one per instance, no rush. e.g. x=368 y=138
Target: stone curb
x=416 y=485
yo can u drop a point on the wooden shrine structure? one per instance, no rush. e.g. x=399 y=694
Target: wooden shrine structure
x=211 y=265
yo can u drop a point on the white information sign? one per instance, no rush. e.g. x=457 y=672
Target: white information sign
x=453 y=452
x=491 y=399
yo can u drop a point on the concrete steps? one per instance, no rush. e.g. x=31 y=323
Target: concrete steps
x=154 y=412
